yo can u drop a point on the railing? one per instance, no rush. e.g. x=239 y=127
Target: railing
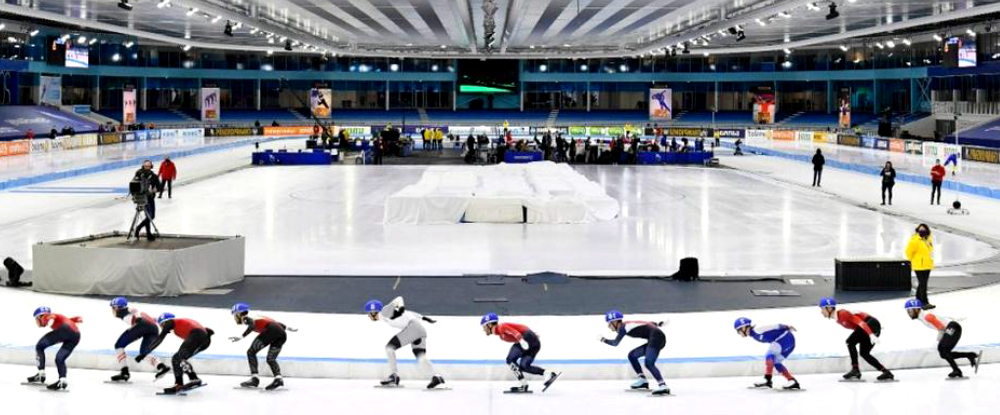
x=966 y=107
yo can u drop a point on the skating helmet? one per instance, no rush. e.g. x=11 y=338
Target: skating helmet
x=373 y=306
x=119 y=302
x=828 y=302
x=42 y=311
x=741 y=323
x=914 y=303
x=613 y=315
x=489 y=318
x=164 y=317
x=240 y=308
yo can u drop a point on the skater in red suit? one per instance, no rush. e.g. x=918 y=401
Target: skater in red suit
x=196 y=338
x=866 y=332
x=522 y=352
x=270 y=334
x=64 y=331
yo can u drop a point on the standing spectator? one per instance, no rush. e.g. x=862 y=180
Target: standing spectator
x=937 y=177
x=572 y=150
x=920 y=252
x=168 y=172
x=378 y=148
x=888 y=181
x=30 y=134
x=818 y=162
x=53 y=133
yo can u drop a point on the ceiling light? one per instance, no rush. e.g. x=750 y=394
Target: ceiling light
x=123 y=4
x=787 y=51
x=970 y=32
x=567 y=45
x=583 y=68
x=879 y=45
x=33 y=33
x=116 y=57
x=843 y=48
x=128 y=44
x=186 y=48
x=833 y=14
x=192 y=11
x=543 y=67
x=444 y=46
x=81 y=40
x=785 y=15
x=253 y=31
x=907 y=42
x=217 y=18
x=760 y=22
x=434 y=68
x=270 y=40
x=890 y=44
x=394 y=67
x=622 y=68
x=162 y=4
x=938 y=37
x=93 y=40
x=2 y=26
x=812 y=6
x=705 y=54
x=64 y=38
x=270 y=52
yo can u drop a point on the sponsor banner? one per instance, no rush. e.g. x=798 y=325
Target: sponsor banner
x=940 y=150
x=896 y=145
x=660 y=104
x=466 y=131
x=295 y=130
x=880 y=144
x=597 y=130
x=50 y=90
x=81 y=109
x=230 y=131
x=15 y=148
x=804 y=135
x=578 y=130
x=319 y=102
x=129 y=136
x=141 y=135
x=914 y=147
x=868 y=141
x=616 y=131
x=191 y=132
x=980 y=154
x=77 y=141
x=109 y=138
x=41 y=145
x=128 y=106
x=845 y=112
x=849 y=140
x=352 y=131
x=730 y=133
x=168 y=134
x=821 y=137
x=519 y=130
x=764 y=106
x=783 y=135
x=210 y=105
x=152 y=134
x=686 y=132
x=758 y=134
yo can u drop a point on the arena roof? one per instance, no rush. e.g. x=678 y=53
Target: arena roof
x=523 y=28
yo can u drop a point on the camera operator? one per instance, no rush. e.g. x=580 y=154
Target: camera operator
x=150 y=186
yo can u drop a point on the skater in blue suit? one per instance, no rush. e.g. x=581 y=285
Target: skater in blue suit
x=781 y=342
x=650 y=351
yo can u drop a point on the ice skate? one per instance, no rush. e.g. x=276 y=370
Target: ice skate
x=161 y=369
x=193 y=384
x=250 y=384
x=58 y=385
x=435 y=381
x=275 y=384
x=661 y=390
x=173 y=390
x=122 y=376
x=38 y=379
x=518 y=389
x=552 y=378
x=640 y=384
x=792 y=385
x=955 y=374
x=854 y=374
x=886 y=376
x=766 y=384
x=390 y=382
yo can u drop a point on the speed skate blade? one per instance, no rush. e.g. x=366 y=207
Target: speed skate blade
x=789 y=390
x=32 y=384
x=281 y=389
x=851 y=381
x=118 y=382
x=161 y=393
x=639 y=390
x=54 y=390
x=887 y=381
x=389 y=386
x=519 y=392
x=958 y=378
x=437 y=389
x=665 y=395
x=246 y=388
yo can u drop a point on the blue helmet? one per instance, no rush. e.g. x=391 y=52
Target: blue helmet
x=373 y=306
x=914 y=303
x=241 y=308
x=119 y=302
x=164 y=317
x=613 y=315
x=741 y=323
x=42 y=311
x=827 y=302
x=489 y=318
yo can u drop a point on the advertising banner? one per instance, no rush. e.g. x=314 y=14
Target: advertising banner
x=299 y=130
x=730 y=133
x=352 y=131
x=78 y=141
x=804 y=135
x=50 y=90
x=41 y=145
x=319 y=101
x=685 y=132
x=764 y=106
x=578 y=130
x=821 y=137
x=844 y=121
x=109 y=138
x=983 y=155
x=230 y=131
x=783 y=135
x=660 y=104
x=758 y=134
x=210 y=105
x=880 y=144
x=914 y=147
x=129 y=136
x=896 y=145
x=849 y=140
x=15 y=148
x=128 y=106
x=16 y=120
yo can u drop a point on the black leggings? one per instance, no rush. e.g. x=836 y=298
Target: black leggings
x=860 y=338
x=922 y=278
x=69 y=340
x=273 y=336
x=935 y=188
x=197 y=341
x=887 y=187
x=952 y=334
x=817 y=176
x=167 y=185
x=520 y=359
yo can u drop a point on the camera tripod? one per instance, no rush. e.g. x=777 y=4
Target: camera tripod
x=140 y=210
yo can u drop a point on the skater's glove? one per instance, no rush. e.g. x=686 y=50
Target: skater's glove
x=874 y=339
x=235 y=339
x=291 y=329
x=601 y=339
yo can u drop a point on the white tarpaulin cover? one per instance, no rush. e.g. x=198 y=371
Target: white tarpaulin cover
x=542 y=192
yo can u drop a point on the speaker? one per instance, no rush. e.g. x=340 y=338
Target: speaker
x=688 y=270
x=14 y=271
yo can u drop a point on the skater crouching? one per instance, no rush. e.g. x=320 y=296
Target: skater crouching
x=65 y=331
x=949 y=333
x=412 y=332
x=866 y=332
x=141 y=326
x=270 y=334
x=781 y=344
x=196 y=338
x=522 y=353
x=656 y=341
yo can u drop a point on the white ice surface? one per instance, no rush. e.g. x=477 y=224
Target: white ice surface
x=921 y=391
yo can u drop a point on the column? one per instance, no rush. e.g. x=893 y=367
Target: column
x=387 y=95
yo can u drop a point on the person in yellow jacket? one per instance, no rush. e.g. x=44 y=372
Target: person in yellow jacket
x=438 y=139
x=920 y=252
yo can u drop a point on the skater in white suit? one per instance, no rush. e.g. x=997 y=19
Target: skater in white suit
x=412 y=332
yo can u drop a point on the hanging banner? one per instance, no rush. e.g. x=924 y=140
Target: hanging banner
x=210 y=98
x=845 y=108
x=660 y=104
x=50 y=91
x=319 y=101
x=128 y=106
x=764 y=106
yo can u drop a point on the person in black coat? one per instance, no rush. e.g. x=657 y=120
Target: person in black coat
x=888 y=181
x=818 y=162
x=150 y=186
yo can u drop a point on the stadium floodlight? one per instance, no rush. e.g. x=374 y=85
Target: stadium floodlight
x=970 y=32
x=812 y=6
x=760 y=22
x=192 y=11
x=907 y=42
x=938 y=37
x=128 y=44
x=33 y=33
x=93 y=40
x=162 y=4
x=879 y=45
x=787 y=51
x=81 y=40
x=890 y=44
x=843 y=48
x=833 y=14
x=186 y=48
